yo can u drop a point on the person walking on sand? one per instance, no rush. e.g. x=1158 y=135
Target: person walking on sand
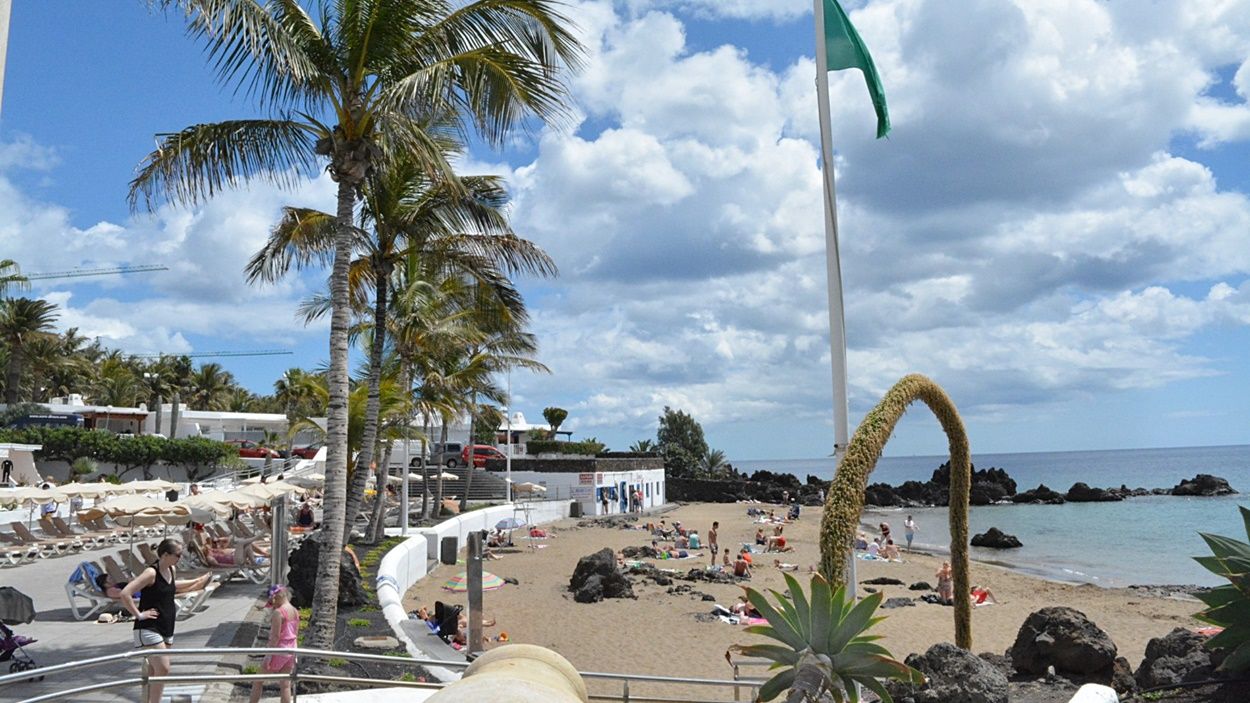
x=283 y=632
x=155 y=612
x=909 y=531
x=711 y=540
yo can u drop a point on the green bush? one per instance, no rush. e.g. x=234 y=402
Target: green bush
x=589 y=447
x=73 y=443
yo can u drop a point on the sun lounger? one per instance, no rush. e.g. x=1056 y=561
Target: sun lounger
x=82 y=586
x=98 y=536
x=50 y=529
x=253 y=572
x=14 y=554
x=99 y=525
x=116 y=574
x=59 y=545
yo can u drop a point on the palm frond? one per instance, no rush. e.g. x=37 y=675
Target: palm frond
x=201 y=160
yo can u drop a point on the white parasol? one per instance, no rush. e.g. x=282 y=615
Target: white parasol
x=129 y=511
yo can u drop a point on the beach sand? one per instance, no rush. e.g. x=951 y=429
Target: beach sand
x=659 y=634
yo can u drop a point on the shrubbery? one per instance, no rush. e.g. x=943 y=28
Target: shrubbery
x=127 y=454
x=589 y=447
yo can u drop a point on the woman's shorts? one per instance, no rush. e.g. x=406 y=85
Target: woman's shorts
x=150 y=638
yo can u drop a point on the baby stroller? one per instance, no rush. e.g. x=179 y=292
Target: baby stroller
x=16 y=608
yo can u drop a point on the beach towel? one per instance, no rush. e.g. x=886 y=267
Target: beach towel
x=869 y=557
x=753 y=621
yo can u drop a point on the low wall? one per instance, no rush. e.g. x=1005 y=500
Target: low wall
x=408 y=562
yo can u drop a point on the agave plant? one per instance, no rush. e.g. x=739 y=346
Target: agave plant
x=1228 y=606
x=824 y=650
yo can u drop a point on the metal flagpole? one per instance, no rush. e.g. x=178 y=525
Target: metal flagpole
x=833 y=264
x=508 y=421
x=6 y=8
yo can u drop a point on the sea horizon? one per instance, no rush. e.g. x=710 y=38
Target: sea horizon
x=1108 y=544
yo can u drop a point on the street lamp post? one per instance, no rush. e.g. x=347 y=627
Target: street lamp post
x=508 y=424
x=156 y=379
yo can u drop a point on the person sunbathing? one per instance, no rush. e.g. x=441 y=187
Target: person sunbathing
x=890 y=551
x=741 y=568
x=945 y=584
x=759 y=536
x=681 y=542
x=861 y=541
x=784 y=566
x=743 y=608
x=777 y=543
x=982 y=596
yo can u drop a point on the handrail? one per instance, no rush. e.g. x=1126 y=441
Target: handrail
x=295 y=676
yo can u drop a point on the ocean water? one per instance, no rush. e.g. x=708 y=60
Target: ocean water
x=1148 y=540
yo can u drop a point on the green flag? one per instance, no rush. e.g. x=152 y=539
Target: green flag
x=844 y=49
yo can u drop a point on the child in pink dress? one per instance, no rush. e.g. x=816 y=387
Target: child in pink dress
x=283 y=632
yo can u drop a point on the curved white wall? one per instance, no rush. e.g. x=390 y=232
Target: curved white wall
x=406 y=563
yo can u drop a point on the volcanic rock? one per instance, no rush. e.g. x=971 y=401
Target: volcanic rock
x=1204 y=485
x=1065 y=639
x=1082 y=493
x=953 y=675
x=1177 y=657
x=596 y=577
x=995 y=538
x=1041 y=494
x=302 y=577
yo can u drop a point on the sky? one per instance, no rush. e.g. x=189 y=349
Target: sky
x=1057 y=230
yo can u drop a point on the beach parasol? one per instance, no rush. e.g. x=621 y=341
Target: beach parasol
x=153 y=486
x=132 y=510
x=307 y=480
x=269 y=491
x=528 y=487
x=233 y=499
x=204 y=509
x=509 y=523
x=30 y=495
x=460 y=584
x=87 y=490
x=16 y=608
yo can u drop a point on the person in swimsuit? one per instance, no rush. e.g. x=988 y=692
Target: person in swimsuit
x=283 y=632
x=945 y=584
x=711 y=541
x=155 y=612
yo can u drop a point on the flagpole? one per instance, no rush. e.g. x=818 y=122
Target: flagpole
x=6 y=9
x=833 y=264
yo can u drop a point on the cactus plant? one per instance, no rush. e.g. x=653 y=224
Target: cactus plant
x=824 y=652
x=1228 y=606
x=845 y=500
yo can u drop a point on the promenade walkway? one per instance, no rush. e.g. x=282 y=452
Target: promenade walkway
x=63 y=639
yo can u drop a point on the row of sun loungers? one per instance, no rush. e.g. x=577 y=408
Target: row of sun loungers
x=83 y=585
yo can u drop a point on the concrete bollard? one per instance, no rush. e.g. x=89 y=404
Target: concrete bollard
x=517 y=673
x=1095 y=693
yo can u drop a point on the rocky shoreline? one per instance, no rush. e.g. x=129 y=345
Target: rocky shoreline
x=989 y=486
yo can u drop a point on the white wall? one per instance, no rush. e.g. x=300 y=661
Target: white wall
x=584 y=487
x=407 y=562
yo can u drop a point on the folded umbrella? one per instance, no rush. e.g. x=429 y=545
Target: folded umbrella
x=16 y=608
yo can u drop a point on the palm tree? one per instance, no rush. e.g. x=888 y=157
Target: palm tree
x=296 y=392
x=359 y=80
x=11 y=275
x=211 y=387
x=712 y=461
x=643 y=446
x=22 y=320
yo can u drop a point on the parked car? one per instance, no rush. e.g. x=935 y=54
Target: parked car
x=448 y=455
x=306 y=452
x=481 y=452
x=251 y=450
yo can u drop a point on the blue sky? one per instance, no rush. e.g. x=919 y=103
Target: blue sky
x=1057 y=230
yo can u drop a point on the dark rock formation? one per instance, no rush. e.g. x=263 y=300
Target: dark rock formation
x=988 y=486
x=596 y=577
x=1082 y=493
x=898 y=603
x=644 y=552
x=999 y=661
x=920 y=586
x=1122 y=677
x=302 y=577
x=1066 y=639
x=1041 y=494
x=707 y=575
x=1177 y=657
x=1204 y=485
x=995 y=538
x=954 y=676
x=883 y=581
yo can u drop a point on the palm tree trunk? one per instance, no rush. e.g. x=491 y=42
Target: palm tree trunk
x=468 y=470
x=355 y=495
x=438 y=492
x=13 y=375
x=377 y=527
x=325 y=604
x=425 y=475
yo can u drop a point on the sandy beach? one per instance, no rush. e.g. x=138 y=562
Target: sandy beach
x=660 y=634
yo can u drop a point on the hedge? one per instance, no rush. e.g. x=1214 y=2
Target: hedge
x=143 y=451
x=587 y=447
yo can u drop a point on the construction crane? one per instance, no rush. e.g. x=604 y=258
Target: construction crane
x=83 y=273
x=194 y=355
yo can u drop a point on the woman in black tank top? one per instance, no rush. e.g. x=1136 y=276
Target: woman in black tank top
x=154 y=614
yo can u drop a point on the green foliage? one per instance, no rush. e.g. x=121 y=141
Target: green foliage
x=586 y=447
x=644 y=446
x=1228 y=606
x=250 y=669
x=824 y=651
x=554 y=417
x=337 y=662
x=407 y=676
x=81 y=467
x=358 y=622
x=198 y=455
x=681 y=441
x=486 y=422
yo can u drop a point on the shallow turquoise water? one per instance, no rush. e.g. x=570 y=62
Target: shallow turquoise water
x=1149 y=540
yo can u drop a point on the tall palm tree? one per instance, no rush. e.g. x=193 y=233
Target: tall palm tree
x=22 y=320
x=351 y=87
x=296 y=393
x=11 y=276
x=455 y=227
x=211 y=387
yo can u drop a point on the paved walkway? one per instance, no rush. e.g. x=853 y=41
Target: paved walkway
x=63 y=639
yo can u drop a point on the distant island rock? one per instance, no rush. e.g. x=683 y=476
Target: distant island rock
x=1083 y=493
x=1204 y=485
x=995 y=538
x=1041 y=494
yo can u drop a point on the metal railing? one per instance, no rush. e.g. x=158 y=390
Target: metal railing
x=70 y=672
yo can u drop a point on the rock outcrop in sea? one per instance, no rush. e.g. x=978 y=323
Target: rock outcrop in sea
x=995 y=538
x=1203 y=485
